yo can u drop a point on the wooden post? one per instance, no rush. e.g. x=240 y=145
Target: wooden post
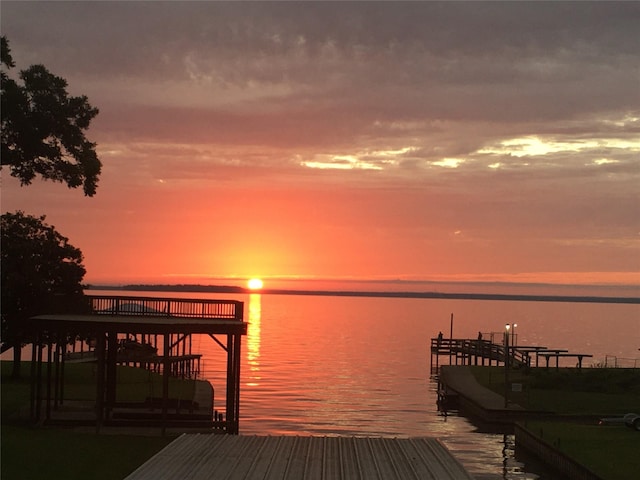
x=165 y=382
x=506 y=369
x=238 y=341
x=101 y=346
x=233 y=382
x=62 y=361
x=39 y=382
x=230 y=385
x=34 y=366
x=451 y=340
x=56 y=376
x=112 y=359
x=49 y=379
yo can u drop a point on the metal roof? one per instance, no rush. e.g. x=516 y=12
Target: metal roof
x=143 y=323
x=231 y=457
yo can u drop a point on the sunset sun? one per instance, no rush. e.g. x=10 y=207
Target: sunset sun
x=255 y=284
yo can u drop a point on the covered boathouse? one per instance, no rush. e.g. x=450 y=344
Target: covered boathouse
x=159 y=330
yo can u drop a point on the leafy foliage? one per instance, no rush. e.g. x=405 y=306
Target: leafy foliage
x=43 y=129
x=41 y=273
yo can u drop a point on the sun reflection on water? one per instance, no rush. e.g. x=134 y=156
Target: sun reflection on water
x=253 y=339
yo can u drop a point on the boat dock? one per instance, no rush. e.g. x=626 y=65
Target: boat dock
x=464 y=351
x=143 y=332
x=292 y=457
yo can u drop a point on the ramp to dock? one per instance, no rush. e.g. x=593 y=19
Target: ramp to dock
x=461 y=380
x=291 y=457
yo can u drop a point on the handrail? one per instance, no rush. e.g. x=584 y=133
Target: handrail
x=496 y=351
x=167 y=307
x=482 y=348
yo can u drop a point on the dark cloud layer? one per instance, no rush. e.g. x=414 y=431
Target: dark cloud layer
x=511 y=120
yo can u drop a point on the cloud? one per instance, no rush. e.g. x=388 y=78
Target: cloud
x=503 y=121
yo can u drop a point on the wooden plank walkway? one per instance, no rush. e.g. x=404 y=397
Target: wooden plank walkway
x=291 y=457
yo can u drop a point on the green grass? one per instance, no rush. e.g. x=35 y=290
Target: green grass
x=133 y=384
x=43 y=453
x=590 y=391
x=611 y=452
x=52 y=453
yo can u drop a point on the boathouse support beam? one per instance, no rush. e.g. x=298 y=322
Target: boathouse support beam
x=111 y=372
x=166 y=366
x=32 y=393
x=222 y=345
x=101 y=346
x=233 y=383
x=49 y=378
x=39 y=382
x=57 y=393
x=230 y=407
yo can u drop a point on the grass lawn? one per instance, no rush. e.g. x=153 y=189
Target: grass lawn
x=52 y=453
x=590 y=391
x=612 y=452
x=133 y=384
x=43 y=453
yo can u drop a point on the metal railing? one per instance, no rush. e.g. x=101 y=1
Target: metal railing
x=167 y=307
x=611 y=361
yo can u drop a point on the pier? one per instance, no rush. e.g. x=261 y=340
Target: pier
x=148 y=333
x=464 y=351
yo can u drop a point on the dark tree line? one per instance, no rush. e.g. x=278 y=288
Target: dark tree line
x=42 y=135
x=41 y=273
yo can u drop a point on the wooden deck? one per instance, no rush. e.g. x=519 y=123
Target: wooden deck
x=464 y=351
x=291 y=457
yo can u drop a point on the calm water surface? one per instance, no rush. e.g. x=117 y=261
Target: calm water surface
x=315 y=365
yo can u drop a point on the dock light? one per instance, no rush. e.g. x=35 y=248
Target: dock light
x=513 y=335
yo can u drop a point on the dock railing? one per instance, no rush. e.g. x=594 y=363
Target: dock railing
x=471 y=351
x=170 y=307
x=478 y=351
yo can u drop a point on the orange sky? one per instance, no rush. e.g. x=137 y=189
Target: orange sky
x=405 y=141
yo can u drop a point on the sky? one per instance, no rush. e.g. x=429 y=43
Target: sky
x=366 y=140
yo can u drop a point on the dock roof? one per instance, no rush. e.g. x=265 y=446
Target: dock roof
x=142 y=323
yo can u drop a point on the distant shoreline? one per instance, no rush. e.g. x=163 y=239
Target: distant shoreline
x=383 y=294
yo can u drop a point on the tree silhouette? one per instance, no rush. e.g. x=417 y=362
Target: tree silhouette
x=41 y=273
x=43 y=128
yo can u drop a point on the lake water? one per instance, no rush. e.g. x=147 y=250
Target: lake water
x=336 y=365
x=331 y=365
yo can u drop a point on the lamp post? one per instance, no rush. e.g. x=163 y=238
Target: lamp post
x=507 y=328
x=513 y=335
x=506 y=364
